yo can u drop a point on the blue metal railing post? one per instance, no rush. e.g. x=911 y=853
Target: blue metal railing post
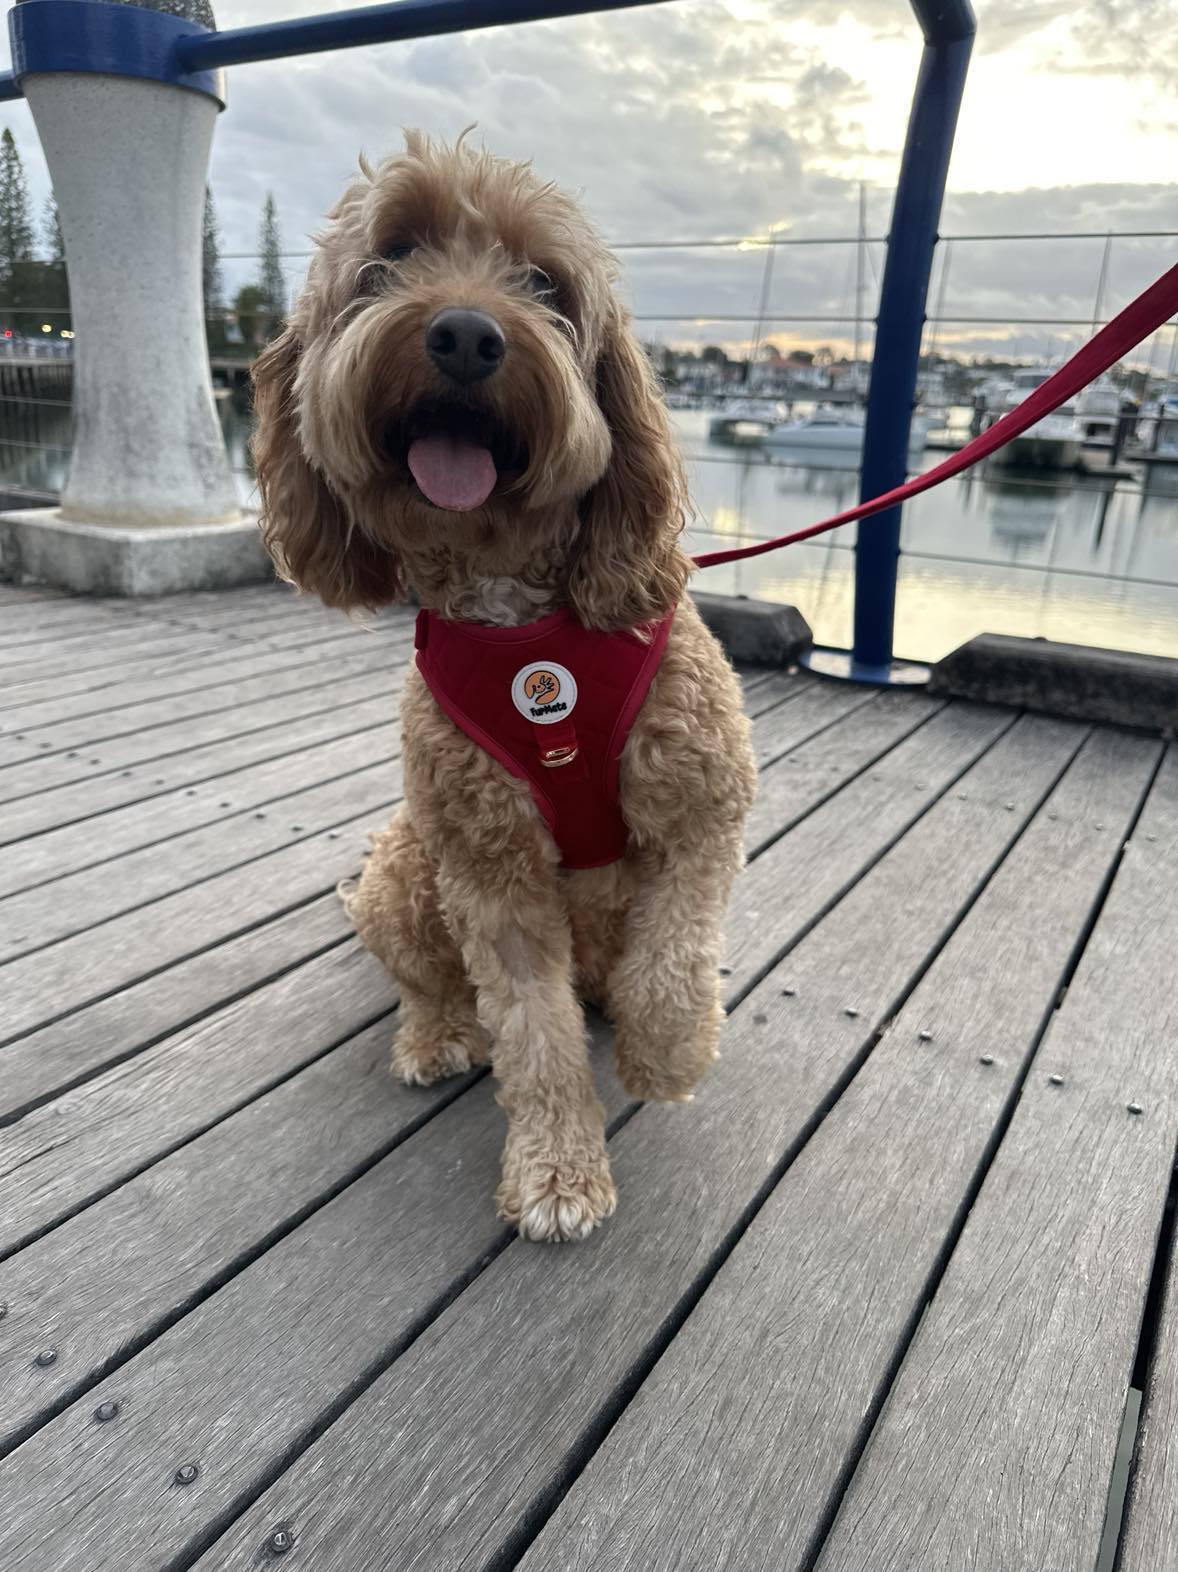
x=948 y=27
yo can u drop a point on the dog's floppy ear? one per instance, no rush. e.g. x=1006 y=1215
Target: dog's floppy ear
x=627 y=566
x=305 y=525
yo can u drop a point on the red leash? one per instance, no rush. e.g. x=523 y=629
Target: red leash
x=1137 y=321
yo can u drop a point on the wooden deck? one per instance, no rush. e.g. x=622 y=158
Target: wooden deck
x=877 y=1300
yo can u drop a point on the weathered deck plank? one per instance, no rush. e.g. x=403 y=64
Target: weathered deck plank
x=1149 y=1533
x=304 y=672
x=238 y=665
x=185 y=734
x=67 y=1152
x=36 y=690
x=73 y=972
x=815 y=706
x=105 y=837
x=830 y=760
x=279 y=1428
x=143 y=646
x=115 y=1027
x=222 y=1216
x=835 y=845
x=97 y=839
x=39 y=917
x=1019 y=1373
x=743 y=1435
x=37 y=812
x=461 y=1474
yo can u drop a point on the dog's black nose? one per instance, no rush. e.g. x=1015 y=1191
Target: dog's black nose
x=465 y=345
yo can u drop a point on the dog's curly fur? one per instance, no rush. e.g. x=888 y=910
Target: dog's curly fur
x=463 y=897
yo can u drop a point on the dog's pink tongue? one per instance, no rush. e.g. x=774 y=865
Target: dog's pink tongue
x=452 y=472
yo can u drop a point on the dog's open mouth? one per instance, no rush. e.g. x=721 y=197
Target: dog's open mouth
x=457 y=456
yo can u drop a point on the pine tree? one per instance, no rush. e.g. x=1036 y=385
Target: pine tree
x=54 y=239
x=16 y=230
x=212 y=279
x=271 y=282
x=54 y=278
x=211 y=260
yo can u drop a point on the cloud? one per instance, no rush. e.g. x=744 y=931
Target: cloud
x=708 y=118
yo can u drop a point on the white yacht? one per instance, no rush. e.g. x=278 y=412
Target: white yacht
x=1157 y=431
x=839 y=431
x=746 y=419
x=1098 y=409
x=1051 y=443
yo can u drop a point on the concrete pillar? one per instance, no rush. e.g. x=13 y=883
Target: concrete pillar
x=127 y=141
x=128 y=160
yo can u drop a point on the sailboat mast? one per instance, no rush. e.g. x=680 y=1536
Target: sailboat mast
x=1098 y=303
x=859 y=280
x=759 y=334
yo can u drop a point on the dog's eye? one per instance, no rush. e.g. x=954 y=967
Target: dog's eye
x=541 y=285
x=399 y=252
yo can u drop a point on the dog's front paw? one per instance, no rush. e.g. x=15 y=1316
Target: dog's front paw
x=554 y=1201
x=669 y=1072
x=422 y=1056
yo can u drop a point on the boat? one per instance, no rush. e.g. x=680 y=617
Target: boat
x=746 y=419
x=1157 y=432
x=838 y=433
x=1051 y=443
x=932 y=394
x=1098 y=410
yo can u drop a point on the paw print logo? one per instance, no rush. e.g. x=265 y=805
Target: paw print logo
x=544 y=695
x=542 y=686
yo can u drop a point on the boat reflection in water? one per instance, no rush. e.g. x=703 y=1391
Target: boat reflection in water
x=1082 y=558
x=1022 y=514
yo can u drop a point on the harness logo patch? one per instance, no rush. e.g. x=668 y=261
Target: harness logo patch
x=544 y=693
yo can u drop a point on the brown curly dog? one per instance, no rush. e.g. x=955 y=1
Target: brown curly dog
x=513 y=461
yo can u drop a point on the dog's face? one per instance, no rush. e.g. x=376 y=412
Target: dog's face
x=458 y=390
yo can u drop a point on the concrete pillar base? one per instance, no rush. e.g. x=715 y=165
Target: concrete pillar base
x=38 y=546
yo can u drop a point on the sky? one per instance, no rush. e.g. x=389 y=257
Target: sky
x=736 y=118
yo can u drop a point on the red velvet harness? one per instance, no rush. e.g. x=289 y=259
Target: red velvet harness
x=553 y=702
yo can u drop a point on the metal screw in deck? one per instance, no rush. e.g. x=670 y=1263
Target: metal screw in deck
x=47 y=1357
x=279 y=1540
x=1134 y=1108
x=186 y=1473
x=107 y=1411
x=851 y=1012
x=1056 y=1080
x=986 y=1058
x=788 y=993
x=925 y=1037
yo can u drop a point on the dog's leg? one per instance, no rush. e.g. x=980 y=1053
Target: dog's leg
x=396 y=912
x=517 y=944
x=664 y=992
